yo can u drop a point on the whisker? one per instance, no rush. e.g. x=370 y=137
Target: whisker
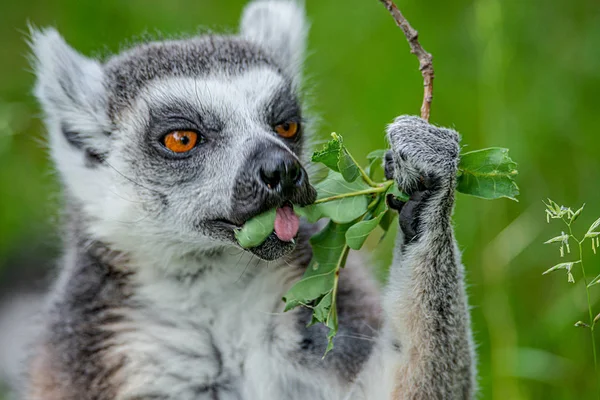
x=129 y=200
x=131 y=180
x=244 y=271
x=130 y=222
x=360 y=337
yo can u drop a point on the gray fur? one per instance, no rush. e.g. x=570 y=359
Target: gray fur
x=128 y=72
x=427 y=276
x=155 y=300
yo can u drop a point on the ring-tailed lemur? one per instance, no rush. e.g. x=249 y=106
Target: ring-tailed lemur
x=163 y=151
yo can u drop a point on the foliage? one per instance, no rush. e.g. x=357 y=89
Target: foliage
x=355 y=207
x=488 y=174
x=256 y=230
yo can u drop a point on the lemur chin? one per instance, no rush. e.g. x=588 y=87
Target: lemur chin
x=163 y=150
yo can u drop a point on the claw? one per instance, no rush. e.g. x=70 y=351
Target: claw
x=394 y=203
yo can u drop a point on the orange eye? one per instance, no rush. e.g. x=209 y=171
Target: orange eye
x=180 y=141
x=287 y=129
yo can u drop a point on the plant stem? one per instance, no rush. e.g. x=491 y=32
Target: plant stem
x=425 y=59
x=364 y=175
x=377 y=189
x=587 y=292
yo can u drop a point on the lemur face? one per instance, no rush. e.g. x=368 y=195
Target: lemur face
x=169 y=146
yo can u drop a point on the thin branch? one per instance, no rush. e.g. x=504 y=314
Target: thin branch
x=425 y=58
x=372 y=190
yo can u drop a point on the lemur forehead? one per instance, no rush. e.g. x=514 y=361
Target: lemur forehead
x=128 y=72
x=259 y=93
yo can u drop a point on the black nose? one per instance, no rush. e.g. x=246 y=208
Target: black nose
x=280 y=170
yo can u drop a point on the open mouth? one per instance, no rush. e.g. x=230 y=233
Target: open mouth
x=287 y=223
x=286 y=226
x=282 y=231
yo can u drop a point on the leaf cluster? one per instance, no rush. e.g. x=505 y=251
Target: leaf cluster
x=355 y=205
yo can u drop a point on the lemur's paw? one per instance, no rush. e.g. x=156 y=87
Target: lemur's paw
x=422 y=156
x=423 y=160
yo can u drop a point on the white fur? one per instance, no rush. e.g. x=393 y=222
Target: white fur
x=19 y=326
x=121 y=216
x=236 y=308
x=71 y=91
x=69 y=85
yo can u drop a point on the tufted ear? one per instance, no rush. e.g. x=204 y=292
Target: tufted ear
x=281 y=27
x=71 y=91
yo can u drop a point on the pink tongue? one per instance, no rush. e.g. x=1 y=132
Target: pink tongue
x=286 y=224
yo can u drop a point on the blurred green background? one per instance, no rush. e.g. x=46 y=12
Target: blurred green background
x=523 y=75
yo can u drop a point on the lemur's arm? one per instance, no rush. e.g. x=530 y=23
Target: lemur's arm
x=425 y=301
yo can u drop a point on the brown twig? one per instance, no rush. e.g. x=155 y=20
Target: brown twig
x=425 y=58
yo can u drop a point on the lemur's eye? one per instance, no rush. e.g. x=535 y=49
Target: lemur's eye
x=180 y=141
x=287 y=129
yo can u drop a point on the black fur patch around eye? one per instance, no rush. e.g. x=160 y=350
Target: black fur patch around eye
x=284 y=106
x=179 y=114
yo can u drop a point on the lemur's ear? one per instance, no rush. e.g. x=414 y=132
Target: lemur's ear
x=281 y=26
x=70 y=88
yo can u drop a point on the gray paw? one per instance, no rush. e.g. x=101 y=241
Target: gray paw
x=422 y=156
x=423 y=160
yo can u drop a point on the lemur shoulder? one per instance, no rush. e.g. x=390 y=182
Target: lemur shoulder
x=166 y=148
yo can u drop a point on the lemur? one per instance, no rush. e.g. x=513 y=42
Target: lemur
x=163 y=151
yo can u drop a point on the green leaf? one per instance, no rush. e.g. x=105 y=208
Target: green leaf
x=310 y=288
x=375 y=162
x=389 y=215
x=346 y=209
x=376 y=155
x=347 y=166
x=325 y=312
x=327 y=245
x=329 y=154
x=387 y=219
x=335 y=156
x=358 y=233
x=318 y=173
x=488 y=174
x=323 y=309
x=332 y=323
x=256 y=230
x=312 y=213
x=318 y=287
x=371 y=169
